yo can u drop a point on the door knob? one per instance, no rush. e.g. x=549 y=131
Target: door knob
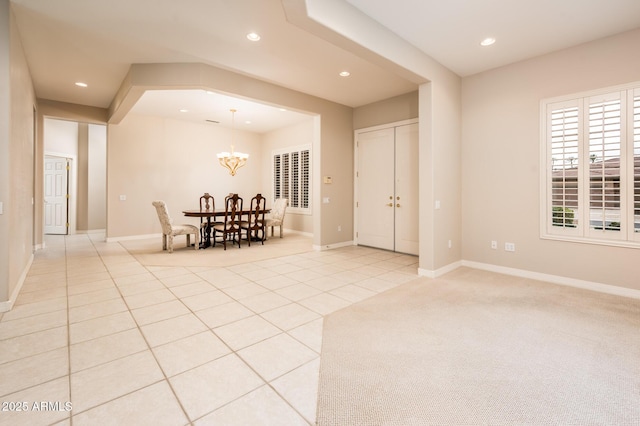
x=398 y=205
x=390 y=205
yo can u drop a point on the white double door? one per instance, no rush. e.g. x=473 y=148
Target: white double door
x=387 y=188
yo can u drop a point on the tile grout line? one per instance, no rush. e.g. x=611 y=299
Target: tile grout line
x=235 y=352
x=149 y=348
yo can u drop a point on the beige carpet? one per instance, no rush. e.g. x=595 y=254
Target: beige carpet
x=149 y=251
x=478 y=348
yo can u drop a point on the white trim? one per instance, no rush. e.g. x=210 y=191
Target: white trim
x=333 y=246
x=555 y=279
x=132 y=237
x=440 y=271
x=356 y=188
x=386 y=126
x=7 y=305
x=91 y=231
x=584 y=232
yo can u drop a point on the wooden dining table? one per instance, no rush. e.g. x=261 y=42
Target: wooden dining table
x=208 y=214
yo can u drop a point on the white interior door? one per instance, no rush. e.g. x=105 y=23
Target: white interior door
x=55 y=195
x=375 y=189
x=406 y=189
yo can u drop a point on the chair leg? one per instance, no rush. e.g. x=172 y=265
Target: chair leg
x=280 y=231
x=188 y=240
x=196 y=244
x=164 y=242
x=170 y=244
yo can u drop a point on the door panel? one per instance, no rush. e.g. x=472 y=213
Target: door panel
x=55 y=195
x=406 y=194
x=375 y=189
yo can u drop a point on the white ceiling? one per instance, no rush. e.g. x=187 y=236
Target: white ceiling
x=200 y=106
x=450 y=31
x=96 y=41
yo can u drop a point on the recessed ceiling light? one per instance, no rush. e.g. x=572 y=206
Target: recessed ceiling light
x=345 y=74
x=247 y=122
x=81 y=84
x=487 y=41
x=184 y=110
x=253 y=36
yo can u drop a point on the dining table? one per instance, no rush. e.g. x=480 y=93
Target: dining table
x=208 y=214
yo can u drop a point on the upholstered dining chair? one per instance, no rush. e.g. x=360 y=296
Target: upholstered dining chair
x=170 y=230
x=255 y=224
x=231 y=224
x=276 y=217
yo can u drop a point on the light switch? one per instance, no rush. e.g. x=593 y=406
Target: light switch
x=326 y=200
x=1 y=207
x=123 y=198
x=327 y=179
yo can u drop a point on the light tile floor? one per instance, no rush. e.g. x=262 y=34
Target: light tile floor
x=176 y=345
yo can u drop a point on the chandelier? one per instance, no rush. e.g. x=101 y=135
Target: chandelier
x=233 y=160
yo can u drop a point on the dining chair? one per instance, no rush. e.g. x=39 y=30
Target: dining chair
x=207 y=204
x=169 y=230
x=231 y=224
x=276 y=217
x=255 y=224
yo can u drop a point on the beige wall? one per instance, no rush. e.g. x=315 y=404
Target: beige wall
x=152 y=158
x=92 y=177
x=97 y=177
x=5 y=153
x=17 y=154
x=398 y=108
x=501 y=166
x=298 y=134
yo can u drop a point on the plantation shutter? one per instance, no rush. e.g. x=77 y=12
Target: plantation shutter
x=292 y=178
x=304 y=190
x=606 y=171
x=294 y=201
x=563 y=158
x=277 y=177
x=285 y=176
x=635 y=165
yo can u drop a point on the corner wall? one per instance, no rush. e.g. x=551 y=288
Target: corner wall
x=501 y=161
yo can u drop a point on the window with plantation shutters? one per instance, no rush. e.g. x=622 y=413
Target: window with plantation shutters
x=591 y=163
x=292 y=178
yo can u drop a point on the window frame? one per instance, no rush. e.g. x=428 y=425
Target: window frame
x=295 y=185
x=628 y=184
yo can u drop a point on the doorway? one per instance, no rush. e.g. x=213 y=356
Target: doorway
x=387 y=187
x=56 y=195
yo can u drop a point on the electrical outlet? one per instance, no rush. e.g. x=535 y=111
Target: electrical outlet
x=339 y=228
x=494 y=245
x=509 y=247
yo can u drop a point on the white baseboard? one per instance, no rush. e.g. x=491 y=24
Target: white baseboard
x=133 y=237
x=286 y=231
x=8 y=304
x=332 y=246
x=555 y=279
x=440 y=271
x=91 y=231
